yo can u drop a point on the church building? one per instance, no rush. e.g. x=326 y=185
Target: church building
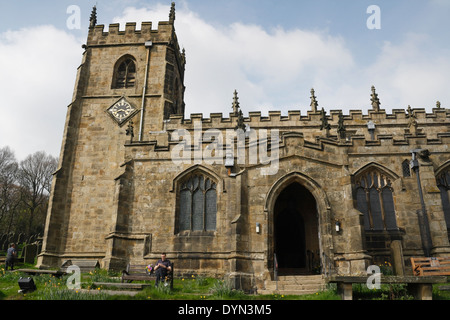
x=237 y=196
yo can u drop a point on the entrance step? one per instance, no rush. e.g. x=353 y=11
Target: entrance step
x=295 y=285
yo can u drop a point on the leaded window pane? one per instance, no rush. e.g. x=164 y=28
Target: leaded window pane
x=375 y=200
x=375 y=209
x=361 y=202
x=198 y=204
x=197 y=208
x=389 y=212
x=184 y=219
x=406 y=169
x=211 y=209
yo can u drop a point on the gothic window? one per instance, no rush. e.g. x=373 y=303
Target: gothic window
x=443 y=182
x=197 y=204
x=125 y=73
x=374 y=198
x=406 y=169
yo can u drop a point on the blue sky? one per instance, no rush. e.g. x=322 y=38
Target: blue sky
x=272 y=52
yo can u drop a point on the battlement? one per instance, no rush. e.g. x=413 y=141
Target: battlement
x=398 y=117
x=131 y=35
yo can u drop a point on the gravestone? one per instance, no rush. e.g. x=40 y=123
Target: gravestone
x=2 y=241
x=84 y=265
x=20 y=238
x=30 y=253
x=398 y=262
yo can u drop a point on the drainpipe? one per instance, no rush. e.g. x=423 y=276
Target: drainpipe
x=148 y=45
x=422 y=214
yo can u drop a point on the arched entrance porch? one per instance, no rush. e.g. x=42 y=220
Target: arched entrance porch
x=296 y=234
x=296 y=201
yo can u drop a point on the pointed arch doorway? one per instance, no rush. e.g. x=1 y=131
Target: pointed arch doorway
x=296 y=231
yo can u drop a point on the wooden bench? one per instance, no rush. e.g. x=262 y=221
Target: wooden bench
x=434 y=266
x=420 y=287
x=139 y=273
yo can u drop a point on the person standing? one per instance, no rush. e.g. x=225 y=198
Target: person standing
x=11 y=256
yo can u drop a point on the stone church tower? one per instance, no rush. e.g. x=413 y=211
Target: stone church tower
x=236 y=196
x=129 y=82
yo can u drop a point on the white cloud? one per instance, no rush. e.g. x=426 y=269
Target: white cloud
x=410 y=73
x=271 y=69
x=38 y=68
x=275 y=69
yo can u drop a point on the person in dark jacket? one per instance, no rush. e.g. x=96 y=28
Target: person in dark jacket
x=162 y=268
x=11 y=256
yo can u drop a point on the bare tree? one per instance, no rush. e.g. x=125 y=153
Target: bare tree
x=9 y=191
x=35 y=179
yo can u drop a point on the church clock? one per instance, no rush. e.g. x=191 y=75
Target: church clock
x=121 y=111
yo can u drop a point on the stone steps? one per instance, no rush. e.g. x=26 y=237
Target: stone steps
x=295 y=285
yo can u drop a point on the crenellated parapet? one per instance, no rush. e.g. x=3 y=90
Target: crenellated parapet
x=355 y=128
x=398 y=117
x=131 y=36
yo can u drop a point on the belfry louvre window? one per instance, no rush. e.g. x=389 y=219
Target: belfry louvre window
x=197 y=204
x=125 y=73
x=443 y=182
x=375 y=200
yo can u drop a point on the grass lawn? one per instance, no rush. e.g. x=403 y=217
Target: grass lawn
x=193 y=288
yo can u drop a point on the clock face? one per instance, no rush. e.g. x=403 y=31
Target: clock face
x=121 y=110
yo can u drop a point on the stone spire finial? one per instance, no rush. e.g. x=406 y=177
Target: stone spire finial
x=314 y=103
x=235 y=103
x=375 y=101
x=438 y=104
x=172 y=13
x=93 y=18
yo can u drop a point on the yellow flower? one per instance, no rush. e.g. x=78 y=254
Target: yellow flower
x=98 y=288
x=182 y=279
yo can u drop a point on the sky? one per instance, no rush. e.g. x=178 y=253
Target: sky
x=271 y=52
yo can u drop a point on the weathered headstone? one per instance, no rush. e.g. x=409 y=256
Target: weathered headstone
x=398 y=262
x=29 y=253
